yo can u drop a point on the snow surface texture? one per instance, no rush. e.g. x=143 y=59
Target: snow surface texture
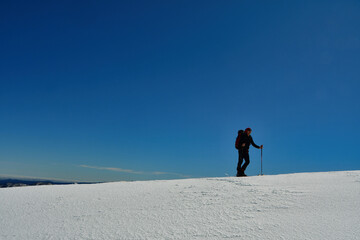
x=292 y=206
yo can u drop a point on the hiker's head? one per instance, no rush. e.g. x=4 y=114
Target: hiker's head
x=240 y=132
x=248 y=131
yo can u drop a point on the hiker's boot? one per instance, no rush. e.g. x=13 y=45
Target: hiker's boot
x=240 y=173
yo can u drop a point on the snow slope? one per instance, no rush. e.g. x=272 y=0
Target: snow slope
x=294 y=206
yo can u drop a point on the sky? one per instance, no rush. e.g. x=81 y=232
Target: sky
x=138 y=90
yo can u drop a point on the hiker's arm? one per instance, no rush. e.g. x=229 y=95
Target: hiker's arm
x=242 y=142
x=252 y=143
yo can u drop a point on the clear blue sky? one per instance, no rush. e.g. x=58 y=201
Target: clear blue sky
x=134 y=90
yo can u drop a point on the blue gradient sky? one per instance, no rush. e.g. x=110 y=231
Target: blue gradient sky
x=134 y=90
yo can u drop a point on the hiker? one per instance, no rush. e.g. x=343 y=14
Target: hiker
x=242 y=143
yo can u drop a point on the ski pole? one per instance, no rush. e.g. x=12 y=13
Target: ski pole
x=261 y=163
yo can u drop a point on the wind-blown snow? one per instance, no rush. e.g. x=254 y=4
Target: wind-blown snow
x=293 y=206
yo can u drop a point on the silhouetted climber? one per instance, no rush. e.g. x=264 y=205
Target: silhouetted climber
x=242 y=143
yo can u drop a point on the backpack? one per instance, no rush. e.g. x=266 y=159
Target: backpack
x=238 y=138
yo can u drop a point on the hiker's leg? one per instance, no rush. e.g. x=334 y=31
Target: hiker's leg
x=247 y=161
x=240 y=162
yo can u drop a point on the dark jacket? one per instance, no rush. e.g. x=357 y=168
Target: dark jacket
x=247 y=140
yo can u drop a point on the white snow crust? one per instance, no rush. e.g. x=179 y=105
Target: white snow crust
x=291 y=206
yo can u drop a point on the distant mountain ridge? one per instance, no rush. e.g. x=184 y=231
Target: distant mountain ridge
x=12 y=182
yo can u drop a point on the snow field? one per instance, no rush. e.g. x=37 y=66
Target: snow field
x=292 y=206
